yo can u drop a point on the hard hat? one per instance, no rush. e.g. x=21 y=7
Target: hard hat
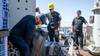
x=51 y=6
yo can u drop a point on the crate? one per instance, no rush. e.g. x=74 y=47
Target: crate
x=3 y=46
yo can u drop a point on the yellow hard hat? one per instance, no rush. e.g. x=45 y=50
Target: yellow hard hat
x=51 y=6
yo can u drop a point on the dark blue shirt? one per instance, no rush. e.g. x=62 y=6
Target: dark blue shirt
x=54 y=19
x=25 y=27
x=78 y=23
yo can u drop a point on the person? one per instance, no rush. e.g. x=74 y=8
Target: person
x=38 y=10
x=77 y=26
x=54 y=19
x=39 y=13
x=22 y=34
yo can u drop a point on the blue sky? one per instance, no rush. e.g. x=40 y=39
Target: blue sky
x=68 y=8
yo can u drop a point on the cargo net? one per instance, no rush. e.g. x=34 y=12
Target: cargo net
x=56 y=50
x=7 y=50
x=3 y=46
x=13 y=51
x=62 y=48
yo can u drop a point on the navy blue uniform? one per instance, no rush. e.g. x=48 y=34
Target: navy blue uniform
x=54 y=23
x=77 y=28
x=22 y=33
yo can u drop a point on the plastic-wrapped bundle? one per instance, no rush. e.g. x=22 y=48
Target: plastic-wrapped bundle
x=38 y=43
